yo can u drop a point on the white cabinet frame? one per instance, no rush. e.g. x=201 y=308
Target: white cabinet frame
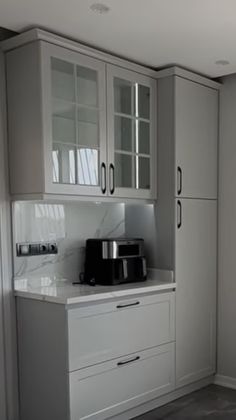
x=113 y=71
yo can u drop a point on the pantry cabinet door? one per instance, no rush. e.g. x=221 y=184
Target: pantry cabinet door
x=195 y=268
x=74 y=116
x=196 y=139
x=131 y=118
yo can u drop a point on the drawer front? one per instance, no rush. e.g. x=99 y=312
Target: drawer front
x=103 y=332
x=102 y=391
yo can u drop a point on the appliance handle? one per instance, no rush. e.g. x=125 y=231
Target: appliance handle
x=144 y=265
x=125 y=268
x=128 y=361
x=103 y=178
x=179 y=214
x=112 y=178
x=179 y=180
x=125 y=305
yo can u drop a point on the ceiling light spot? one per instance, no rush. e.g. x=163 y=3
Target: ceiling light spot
x=100 y=8
x=222 y=62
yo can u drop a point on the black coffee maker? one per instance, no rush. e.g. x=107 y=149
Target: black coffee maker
x=114 y=261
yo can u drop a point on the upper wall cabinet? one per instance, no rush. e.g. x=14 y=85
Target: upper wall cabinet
x=131 y=119
x=196 y=116
x=75 y=131
x=187 y=136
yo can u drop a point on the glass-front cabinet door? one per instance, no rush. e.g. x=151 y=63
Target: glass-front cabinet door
x=76 y=152
x=131 y=134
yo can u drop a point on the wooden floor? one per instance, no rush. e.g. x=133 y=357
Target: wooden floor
x=212 y=402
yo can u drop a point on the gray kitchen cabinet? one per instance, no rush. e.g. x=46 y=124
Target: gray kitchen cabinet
x=195 y=271
x=131 y=123
x=187 y=214
x=72 y=131
x=94 y=360
x=196 y=125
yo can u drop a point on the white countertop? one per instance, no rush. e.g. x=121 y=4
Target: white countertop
x=52 y=289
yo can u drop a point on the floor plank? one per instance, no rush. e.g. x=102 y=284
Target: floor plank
x=212 y=402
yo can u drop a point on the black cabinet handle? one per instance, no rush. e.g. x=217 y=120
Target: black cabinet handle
x=179 y=180
x=103 y=178
x=112 y=178
x=125 y=305
x=179 y=214
x=128 y=361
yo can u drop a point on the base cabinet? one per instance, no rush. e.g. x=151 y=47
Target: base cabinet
x=72 y=366
x=105 y=390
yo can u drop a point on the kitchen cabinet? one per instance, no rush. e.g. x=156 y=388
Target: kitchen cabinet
x=195 y=271
x=79 y=126
x=131 y=100
x=196 y=144
x=187 y=214
x=69 y=353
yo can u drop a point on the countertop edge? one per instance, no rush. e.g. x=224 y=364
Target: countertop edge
x=95 y=297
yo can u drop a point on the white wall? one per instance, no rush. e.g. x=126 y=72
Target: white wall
x=8 y=372
x=227 y=230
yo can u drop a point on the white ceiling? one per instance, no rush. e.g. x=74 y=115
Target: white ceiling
x=190 y=33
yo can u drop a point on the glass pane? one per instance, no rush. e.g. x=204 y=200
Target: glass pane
x=63 y=122
x=62 y=77
x=63 y=158
x=143 y=101
x=144 y=172
x=88 y=129
x=88 y=164
x=123 y=96
x=144 y=137
x=123 y=133
x=87 y=86
x=123 y=170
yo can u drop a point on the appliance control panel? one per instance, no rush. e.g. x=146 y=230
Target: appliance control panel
x=41 y=248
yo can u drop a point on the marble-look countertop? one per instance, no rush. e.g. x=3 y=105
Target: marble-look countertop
x=52 y=289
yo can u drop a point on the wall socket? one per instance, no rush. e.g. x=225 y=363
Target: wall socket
x=41 y=248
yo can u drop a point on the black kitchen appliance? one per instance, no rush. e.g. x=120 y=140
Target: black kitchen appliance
x=114 y=261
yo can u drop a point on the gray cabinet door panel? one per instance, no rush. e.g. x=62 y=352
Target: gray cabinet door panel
x=195 y=245
x=196 y=114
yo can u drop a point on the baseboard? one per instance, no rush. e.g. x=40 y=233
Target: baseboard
x=165 y=399
x=226 y=381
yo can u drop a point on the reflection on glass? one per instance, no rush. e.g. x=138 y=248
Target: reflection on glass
x=144 y=172
x=62 y=78
x=143 y=101
x=88 y=129
x=63 y=122
x=87 y=86
x=123 y=133
x=87 y=163
x=55 y=165
x=144 y=137
x=63 y=158
x=123 y=170
x=123 y=96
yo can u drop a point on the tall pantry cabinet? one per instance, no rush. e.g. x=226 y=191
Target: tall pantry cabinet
x=187 y=214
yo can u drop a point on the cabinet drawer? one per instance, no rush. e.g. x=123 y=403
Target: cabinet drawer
x=102 y=391
x=103 y=332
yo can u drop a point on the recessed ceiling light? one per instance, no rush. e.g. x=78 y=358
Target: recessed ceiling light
x=222 y=62
x=100 y=8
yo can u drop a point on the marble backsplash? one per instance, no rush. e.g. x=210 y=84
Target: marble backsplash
x=69 y=224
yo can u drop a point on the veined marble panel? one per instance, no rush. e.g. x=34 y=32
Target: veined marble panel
x=70 y=225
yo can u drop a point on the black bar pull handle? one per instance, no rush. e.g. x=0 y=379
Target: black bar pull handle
x=112 y=178
x=179 y=180
x=103 y=178
x=126 y=305
x=179 y=214
x=128 y=361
